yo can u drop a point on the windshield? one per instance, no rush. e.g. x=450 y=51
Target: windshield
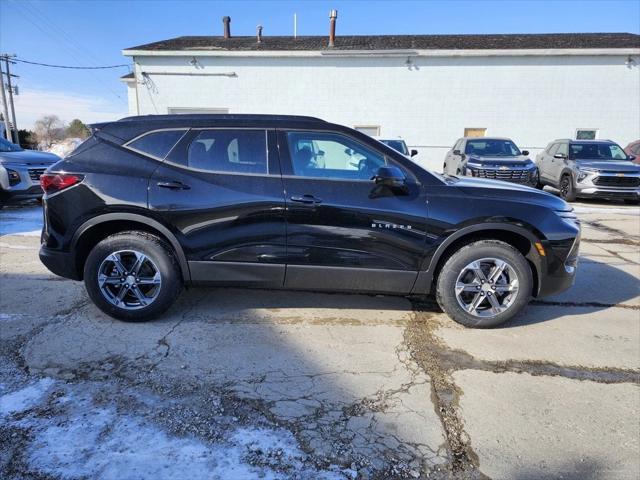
x=398 y=145
x=487 y=147
x=6 y=146
x=596 y=151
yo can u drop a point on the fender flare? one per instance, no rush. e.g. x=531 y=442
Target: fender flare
x=133 y=217
x=425 y=276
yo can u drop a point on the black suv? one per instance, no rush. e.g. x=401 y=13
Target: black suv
x=149 y=204
x=493 y=158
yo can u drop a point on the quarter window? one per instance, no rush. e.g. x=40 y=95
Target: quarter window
x=329 y=155
x=234 y=151
x=157 y=144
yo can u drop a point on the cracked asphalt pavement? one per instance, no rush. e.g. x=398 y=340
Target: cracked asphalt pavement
x=270 y=384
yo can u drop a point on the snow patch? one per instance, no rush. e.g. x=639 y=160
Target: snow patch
x=22 y=221
x=28 y=397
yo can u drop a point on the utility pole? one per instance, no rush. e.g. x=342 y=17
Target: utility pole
x=5 y=112
x=13 y=109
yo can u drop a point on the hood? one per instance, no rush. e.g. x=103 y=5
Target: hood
x=610 y=165
x=497 y=189
x=29 y=157
x=520 y=160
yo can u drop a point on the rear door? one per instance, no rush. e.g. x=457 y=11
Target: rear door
x=558 y=164
x=343 y=231
x=221 y=191
x=546 y=162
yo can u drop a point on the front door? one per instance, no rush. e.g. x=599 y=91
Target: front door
x=343 y=231
x=221 y=192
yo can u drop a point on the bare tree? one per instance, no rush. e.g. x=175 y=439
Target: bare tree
x=48 y=129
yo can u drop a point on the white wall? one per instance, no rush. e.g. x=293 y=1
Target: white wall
x=532 y=99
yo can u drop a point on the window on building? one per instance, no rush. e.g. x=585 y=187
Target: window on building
x=186 y=110
x=371 y=130
x=157 y=144
x=475 y=132
x=233 y=151
x=329 y=155
x=586 y=133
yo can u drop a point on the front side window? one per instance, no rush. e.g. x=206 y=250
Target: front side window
x=492 y=147
x=157 y=144
x=563 y=149
x=233 y=151
x=330 y=155
x=397 y=145
x=553 y=148
x=597 y=151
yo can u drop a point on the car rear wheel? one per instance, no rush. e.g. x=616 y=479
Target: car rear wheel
x=132 y=276
x=567 y=190
x=484 y=284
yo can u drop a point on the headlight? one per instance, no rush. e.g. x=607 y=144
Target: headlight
x=568 y=216
x=585 y=172
x=474 y=165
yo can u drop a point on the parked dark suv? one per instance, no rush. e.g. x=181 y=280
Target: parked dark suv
x=493 y=158
x=589 y=168
x=149 y=204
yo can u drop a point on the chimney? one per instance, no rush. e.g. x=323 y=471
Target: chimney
x=259 y=28
x=227 y=26
x=333 y=15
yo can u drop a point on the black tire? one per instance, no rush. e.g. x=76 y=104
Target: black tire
x=161 y=257
x=456 y=263
x=567 y=190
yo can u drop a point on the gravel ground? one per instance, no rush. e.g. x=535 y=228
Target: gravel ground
x=238 y=384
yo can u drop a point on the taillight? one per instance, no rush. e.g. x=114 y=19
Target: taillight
x=54 y=182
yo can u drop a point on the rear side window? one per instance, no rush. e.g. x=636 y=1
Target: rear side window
x=233 y=151
x=157 y=144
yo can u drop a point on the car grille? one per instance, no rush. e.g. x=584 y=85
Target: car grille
x=616 y=181
x=34 y=173
x=516 y=176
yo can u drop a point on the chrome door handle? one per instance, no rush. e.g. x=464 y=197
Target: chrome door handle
x=173 y=185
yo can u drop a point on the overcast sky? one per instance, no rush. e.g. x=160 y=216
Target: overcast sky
x=91 y=33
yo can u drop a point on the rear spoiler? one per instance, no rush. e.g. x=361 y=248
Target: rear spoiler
x=98 y=130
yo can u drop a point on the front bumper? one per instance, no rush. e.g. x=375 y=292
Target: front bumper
x=27 y=186
x=608 y=185
x=61 y=263
x=560 y=274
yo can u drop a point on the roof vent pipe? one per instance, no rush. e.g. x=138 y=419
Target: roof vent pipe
x=226 y=21
x=333 y=15
x=259 y=28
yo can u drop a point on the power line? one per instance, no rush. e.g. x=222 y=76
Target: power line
x=68 y=66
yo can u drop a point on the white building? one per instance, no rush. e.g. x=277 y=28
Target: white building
x=428 y=89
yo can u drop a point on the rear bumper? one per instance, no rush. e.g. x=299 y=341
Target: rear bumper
x=60 y=263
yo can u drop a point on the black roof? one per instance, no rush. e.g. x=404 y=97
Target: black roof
x=400 y=42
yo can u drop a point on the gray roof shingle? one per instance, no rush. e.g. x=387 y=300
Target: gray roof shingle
x=400 y=42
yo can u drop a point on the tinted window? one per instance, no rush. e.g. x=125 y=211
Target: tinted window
x=397 y=145
x=492 y=147
x=597 y=151
x=236 y=151
x=329 y=155
x=157 y=144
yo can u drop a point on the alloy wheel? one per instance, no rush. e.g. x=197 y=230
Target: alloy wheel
x=487 y=287
x=129 y=279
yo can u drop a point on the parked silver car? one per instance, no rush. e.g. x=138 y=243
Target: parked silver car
x=589 y=168
x=20 y=172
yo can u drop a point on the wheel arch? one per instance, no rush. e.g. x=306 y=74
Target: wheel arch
x=519 y=237
x=98 y=228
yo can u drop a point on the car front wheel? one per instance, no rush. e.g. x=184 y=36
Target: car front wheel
x=484 y=284
x=567 y=190
x=132 y=276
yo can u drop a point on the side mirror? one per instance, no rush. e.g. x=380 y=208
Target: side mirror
x=632 y=157
x=391 y=177
x=525 y=152
x=413 y=153
x=320 y=153
x=560 y=155
x=457 y=152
